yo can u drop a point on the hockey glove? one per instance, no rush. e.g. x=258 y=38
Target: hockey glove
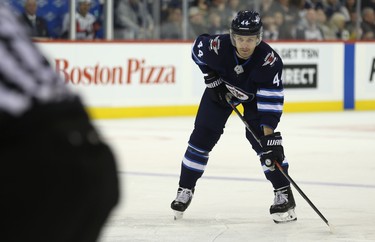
x=216 y=88
x=272 y=149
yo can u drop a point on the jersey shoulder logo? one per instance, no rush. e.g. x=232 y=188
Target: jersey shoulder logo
x=215 y=45
x=270 y=59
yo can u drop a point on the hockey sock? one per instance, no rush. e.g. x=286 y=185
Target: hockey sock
x=193 y=166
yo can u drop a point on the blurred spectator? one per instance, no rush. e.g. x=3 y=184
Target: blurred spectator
x=165 y=6
x=233 y=7
x=274 y=27
x=335 y=6
x=299 y=6
x=132 y=20
x=37 y=24
x=197 y=23
x=337 y=25
x=321 y=20
x=222 y=9
x=172 y=27
x=290 y=13
x=368 y=3
x=368 y=24
x=201 y=4
x=265 y=6
x=354 y=31
x=316 y=4
x=270 y=30
x=86 y=23
x=215 y=24
x=285 y=32
x=351 y=6
x=311 y=29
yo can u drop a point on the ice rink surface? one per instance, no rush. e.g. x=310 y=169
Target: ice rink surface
x=331 y=157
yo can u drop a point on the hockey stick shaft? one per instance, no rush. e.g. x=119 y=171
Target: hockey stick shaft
x=228 y=98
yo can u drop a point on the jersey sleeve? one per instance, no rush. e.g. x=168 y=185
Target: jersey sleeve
x=270 y=92
x=201 y=52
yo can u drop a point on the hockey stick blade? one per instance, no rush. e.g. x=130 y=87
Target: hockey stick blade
x=230 y=102
x=304 y=196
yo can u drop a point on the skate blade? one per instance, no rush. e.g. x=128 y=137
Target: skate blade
x=286 y=217
x=178 y=215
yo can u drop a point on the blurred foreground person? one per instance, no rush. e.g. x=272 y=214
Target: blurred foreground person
x=58 y=179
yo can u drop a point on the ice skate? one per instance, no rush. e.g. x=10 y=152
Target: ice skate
x=282 y=210
x=182 y=202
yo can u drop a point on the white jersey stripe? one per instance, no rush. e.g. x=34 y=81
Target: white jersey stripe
x=273 y=107
x=270 y=93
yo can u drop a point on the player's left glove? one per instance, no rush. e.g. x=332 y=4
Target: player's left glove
x=217 y=88
x=272 y=149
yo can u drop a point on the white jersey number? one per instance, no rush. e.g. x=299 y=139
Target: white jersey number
x=276 y=80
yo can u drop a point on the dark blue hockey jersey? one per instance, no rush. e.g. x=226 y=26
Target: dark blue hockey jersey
x=256 y=82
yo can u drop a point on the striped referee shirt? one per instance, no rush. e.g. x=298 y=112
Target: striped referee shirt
x=26 y=78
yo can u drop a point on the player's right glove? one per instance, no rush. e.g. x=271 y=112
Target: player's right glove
x=272 y=150
x=217 y=88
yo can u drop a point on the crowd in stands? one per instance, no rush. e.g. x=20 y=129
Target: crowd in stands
x=293 y=19
x=50 y=19
x=137 y=19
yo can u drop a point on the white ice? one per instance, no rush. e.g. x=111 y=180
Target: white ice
x=331 y=157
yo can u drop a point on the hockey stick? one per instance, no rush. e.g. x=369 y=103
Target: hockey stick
x=233 y=106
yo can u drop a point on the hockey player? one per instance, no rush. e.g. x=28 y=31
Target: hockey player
x=250 y=71
x=58 y=178
x=86 y=23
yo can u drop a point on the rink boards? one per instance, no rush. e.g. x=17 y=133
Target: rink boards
x=146 y=79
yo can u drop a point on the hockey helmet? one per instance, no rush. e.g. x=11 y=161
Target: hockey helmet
x=247 y=23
